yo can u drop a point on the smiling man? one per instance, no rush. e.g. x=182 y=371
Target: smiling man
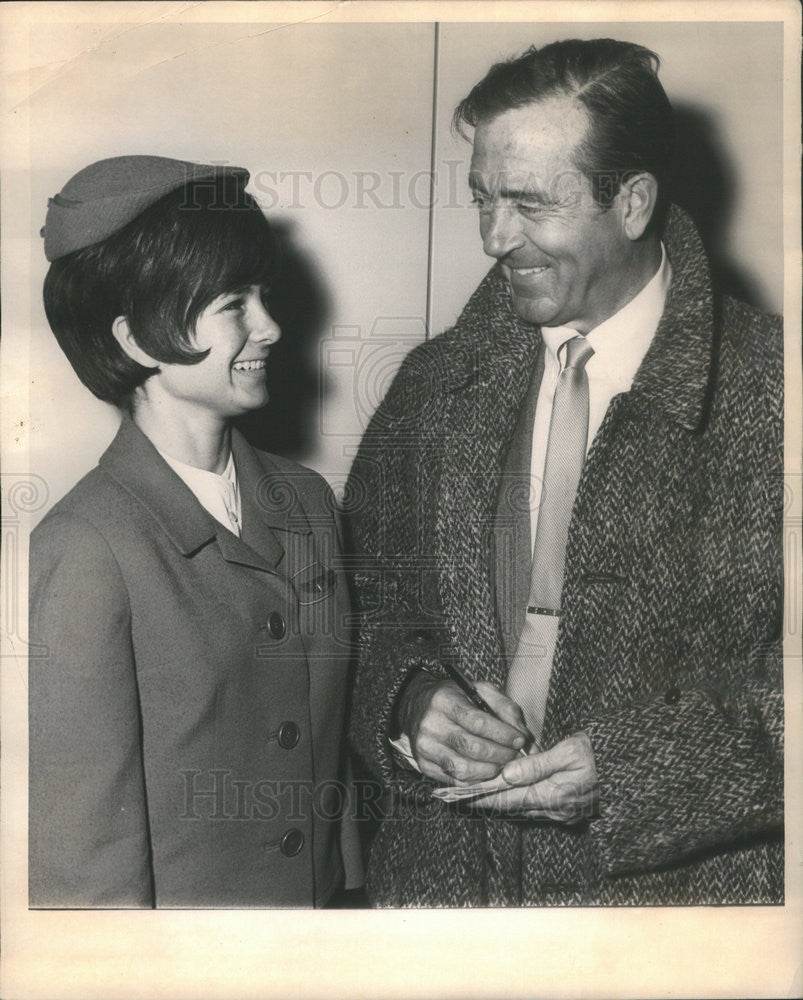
x=570 y=497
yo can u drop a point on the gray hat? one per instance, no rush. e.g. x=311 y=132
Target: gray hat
x=100 y=199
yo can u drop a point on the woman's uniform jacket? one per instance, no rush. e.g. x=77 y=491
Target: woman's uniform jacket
x=668 y=652
x=187 y=703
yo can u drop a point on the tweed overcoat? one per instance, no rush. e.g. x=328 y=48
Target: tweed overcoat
x=668 y=652
x=187 y=703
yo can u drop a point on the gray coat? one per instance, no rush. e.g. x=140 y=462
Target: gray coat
x=186 y=718
x=668 y=652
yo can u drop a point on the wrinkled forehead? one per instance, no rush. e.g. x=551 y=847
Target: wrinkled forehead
x=526 y=148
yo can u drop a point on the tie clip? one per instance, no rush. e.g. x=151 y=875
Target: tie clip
x=543 y=611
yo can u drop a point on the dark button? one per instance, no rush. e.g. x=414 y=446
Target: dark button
x=292 y=842
x=289 y=735
x=672 y=696
x=276 y=625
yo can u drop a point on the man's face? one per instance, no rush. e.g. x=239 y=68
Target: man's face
x=568 y=262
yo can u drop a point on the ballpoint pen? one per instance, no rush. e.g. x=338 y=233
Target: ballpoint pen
x=469 y=689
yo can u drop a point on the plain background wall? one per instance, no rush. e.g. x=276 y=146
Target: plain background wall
x=335 y=124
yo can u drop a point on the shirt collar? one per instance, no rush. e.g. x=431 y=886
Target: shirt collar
x=622 y=340
x=216 y=492
x=202 y=478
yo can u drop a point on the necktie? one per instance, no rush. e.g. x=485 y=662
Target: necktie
x=528 y=679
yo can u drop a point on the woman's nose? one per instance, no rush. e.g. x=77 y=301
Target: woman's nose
x=264 y=326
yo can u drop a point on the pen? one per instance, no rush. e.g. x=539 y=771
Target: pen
x=470 y=691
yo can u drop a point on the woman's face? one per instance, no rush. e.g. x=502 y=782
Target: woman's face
x=238 y=331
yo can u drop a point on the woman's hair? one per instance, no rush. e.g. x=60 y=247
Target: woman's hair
x=160 y=272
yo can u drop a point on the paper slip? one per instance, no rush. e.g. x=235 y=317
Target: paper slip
x=451 y=793
x=456 y=793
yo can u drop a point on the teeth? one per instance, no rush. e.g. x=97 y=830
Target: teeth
x=248 y=366
x=529 y=270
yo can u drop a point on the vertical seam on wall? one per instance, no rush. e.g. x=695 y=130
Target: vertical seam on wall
x=432 y=164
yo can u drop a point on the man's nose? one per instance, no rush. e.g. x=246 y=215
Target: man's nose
x=501 y=231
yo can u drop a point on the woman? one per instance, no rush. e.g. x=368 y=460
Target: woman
x=186 y=722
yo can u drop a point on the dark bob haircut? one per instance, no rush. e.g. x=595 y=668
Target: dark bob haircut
x=631 y=124
x=160 y=271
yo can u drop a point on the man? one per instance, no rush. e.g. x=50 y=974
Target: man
x=571 y=496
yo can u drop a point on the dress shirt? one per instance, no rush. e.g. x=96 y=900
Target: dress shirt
x=619 y=343
x=218 y=494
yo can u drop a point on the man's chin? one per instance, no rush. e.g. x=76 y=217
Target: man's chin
x=534 y=311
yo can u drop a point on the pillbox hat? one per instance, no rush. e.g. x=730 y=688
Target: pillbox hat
x=103 y=197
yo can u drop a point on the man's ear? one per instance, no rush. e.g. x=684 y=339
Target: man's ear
x=125 y=338
x=639 y=195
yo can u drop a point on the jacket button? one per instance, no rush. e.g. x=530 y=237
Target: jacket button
x=292 y=842
x=276 y=625
x=672 y=696
x=289 y=735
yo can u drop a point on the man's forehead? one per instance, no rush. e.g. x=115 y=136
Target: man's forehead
x=531 y=140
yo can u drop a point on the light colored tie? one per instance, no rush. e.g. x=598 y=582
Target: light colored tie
x=528 y=679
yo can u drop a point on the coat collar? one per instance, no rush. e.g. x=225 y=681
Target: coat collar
x=676 y=372
x=135 y=464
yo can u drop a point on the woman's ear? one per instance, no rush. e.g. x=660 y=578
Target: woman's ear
x=125 y=338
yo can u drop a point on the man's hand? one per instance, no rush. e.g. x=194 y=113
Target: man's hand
x=454 y=742
x=560 y=784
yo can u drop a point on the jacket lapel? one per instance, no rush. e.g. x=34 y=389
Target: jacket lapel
x=137 y=466
x=259 y=519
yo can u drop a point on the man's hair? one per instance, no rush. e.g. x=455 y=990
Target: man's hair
x=630 y=121
x=160 y=271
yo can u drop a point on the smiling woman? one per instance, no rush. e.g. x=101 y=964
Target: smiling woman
x=232 y=335
x=186 y=721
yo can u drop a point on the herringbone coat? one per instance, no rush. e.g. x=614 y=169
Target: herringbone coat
x=668 y=653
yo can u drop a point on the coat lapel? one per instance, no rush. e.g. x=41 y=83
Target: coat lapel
x=512 y=535
x=655 y=425
x=484 y=393
x=677 y=372
x=491 y=367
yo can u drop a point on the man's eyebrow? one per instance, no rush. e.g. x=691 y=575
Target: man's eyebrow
x=529 y=193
